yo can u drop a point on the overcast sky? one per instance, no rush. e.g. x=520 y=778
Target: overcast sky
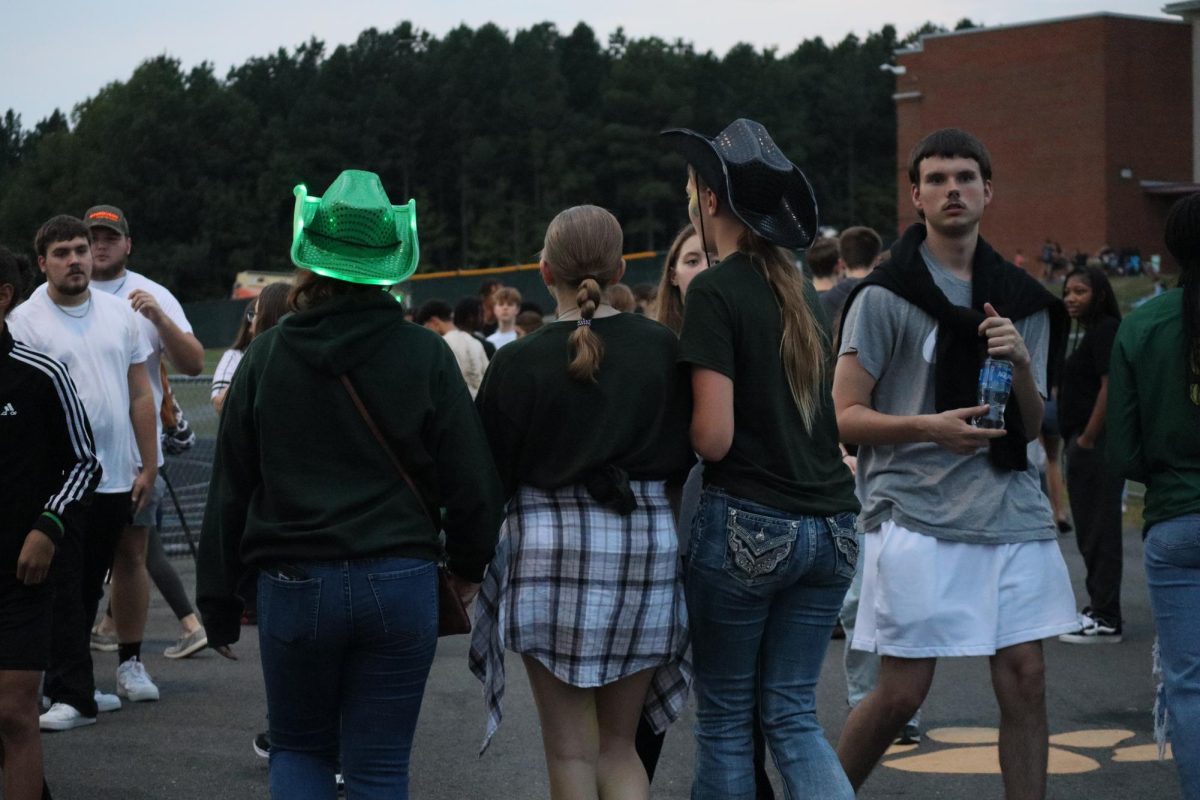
x=55 y=54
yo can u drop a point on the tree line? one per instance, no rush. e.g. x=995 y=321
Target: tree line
x=492 y=134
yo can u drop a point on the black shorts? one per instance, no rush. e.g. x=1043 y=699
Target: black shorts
x=105 y=519
x=26 y=613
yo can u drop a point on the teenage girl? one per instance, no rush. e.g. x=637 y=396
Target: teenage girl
x=773 y=542
x=685 y=260
x=1093 y=488
x=587 y=419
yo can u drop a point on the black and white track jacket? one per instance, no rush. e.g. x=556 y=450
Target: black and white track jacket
x=48 y=462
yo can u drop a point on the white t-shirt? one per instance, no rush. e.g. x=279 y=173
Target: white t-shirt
x=223 y=374
x=500 y=339
x=471 y=357
x=98 y=349
x=121 y=288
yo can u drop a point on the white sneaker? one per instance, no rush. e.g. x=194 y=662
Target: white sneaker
x=62 y=717
x=106 y=702
x=133 y=682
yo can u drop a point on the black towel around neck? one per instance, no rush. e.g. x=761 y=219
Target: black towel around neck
x=960 y=349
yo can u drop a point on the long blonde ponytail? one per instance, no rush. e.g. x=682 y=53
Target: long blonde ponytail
x=804 y=345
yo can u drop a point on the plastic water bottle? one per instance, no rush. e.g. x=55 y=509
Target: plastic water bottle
x=995 y=384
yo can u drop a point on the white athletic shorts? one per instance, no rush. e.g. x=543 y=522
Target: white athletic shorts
x=924 y=597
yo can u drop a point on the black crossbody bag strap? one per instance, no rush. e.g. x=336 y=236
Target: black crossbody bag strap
x=391 y=454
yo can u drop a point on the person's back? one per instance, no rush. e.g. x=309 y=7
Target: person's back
x=638 y=401
x=772 y=548
x=772 y=459
x=471 y=357
x=325 y=487
x=344 y=431
x=587 y=421
x=1152 y=426
x=1153 y=417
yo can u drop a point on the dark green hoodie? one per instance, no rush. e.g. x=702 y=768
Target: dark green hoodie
x=298 y=476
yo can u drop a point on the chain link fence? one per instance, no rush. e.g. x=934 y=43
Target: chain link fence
x=187 y=473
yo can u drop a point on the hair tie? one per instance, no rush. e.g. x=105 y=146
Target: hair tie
x=583 y=323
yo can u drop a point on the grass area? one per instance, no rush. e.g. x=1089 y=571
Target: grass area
x=1131 y=289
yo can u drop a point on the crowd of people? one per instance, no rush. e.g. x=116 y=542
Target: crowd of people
x=649 y=495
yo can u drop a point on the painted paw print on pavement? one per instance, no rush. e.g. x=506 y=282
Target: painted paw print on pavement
x=974 y=751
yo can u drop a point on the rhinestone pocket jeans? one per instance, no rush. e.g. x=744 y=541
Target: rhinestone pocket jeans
x=764 y=588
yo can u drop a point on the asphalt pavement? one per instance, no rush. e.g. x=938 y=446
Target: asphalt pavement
x=195 y=744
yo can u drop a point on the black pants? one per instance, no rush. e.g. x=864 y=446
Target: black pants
x=82 y=562
x=1096 y=506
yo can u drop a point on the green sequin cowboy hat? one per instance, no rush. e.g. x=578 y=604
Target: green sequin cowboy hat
x=354 y=233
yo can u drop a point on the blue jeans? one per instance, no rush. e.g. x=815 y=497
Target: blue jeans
x=764 y=588
x=346 y=648
x=1172 y=556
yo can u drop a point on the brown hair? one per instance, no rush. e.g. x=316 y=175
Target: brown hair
x=803 y=345
x=949 y=143
x=583 y=251
x=529 y=321
x=822 y=257
x=62 y=228
x=507 y=295
x=620 y=297
x=859 y=247
x=242 y=340
x=272 y=304
x=311 y=290
x=668 y=304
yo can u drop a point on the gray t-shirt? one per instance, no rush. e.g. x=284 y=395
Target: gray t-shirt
x=920 y=485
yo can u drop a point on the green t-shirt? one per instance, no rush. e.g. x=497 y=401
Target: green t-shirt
x=732 y=325
x=1153 y=426
x=548 y=430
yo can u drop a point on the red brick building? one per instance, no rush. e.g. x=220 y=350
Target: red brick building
x=1089 y=121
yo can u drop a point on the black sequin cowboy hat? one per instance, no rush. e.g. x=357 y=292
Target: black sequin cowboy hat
x=764 y=189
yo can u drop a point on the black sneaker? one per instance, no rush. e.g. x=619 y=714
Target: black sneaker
x=1093 y=630
x=262 y=745
x=909 y=734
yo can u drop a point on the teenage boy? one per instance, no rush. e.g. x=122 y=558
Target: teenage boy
x=508 y=305
x=97 y=337
x=49 y=467
x=858 y=253
x=961 y=556
x=437 y=316
x=168 y=332
x=822 y=259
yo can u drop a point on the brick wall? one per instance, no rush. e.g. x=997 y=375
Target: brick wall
x=1062 y=107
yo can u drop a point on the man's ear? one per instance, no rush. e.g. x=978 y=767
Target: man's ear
x=42 y=263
